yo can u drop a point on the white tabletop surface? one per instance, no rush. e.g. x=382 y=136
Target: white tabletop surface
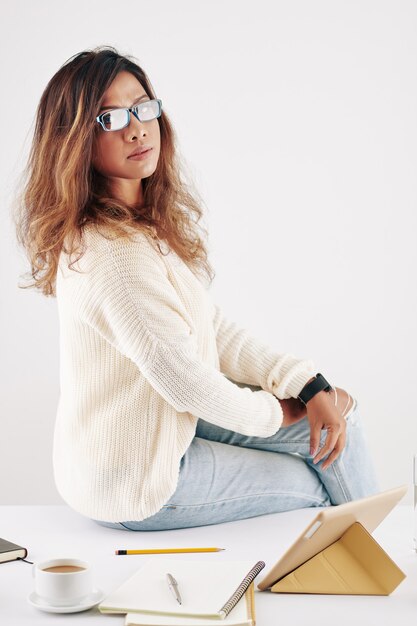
x=58 y=531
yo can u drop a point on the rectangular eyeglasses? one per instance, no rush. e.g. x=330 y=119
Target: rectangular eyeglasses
x=116 y=119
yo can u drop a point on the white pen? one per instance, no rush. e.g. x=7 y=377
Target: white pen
x=173 y=585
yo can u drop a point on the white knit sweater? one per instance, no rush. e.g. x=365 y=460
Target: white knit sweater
x=144 y=353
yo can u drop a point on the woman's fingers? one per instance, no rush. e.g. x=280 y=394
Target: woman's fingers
x=333 y=434
x=336 y=451
x=332 y=448
x=315 y=432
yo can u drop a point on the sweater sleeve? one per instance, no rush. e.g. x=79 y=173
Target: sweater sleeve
x=246 y=359
x=131 y=302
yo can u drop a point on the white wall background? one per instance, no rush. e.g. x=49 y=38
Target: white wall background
x=297 y=120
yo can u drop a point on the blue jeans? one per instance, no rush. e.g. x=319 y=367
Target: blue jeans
x=225 y=476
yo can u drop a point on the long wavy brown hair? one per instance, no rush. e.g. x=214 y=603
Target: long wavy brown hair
x=60 y=192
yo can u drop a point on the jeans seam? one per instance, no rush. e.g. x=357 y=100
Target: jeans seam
x=213 y=473
x=339 y=476
x=252 y=495
x=275 y=443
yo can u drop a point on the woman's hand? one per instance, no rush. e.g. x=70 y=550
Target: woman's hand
x=322 y=414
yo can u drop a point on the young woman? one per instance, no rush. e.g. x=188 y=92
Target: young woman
x=169 y=415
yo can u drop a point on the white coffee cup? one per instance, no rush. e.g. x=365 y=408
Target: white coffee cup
x=63 y=582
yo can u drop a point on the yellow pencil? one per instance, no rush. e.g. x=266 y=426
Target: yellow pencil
x=168 y=550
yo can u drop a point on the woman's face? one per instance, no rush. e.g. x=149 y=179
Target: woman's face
x=111 y=150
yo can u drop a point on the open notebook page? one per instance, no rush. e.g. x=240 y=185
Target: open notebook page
x=204 y=586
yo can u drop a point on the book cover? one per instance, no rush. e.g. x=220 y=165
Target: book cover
x=11 y=551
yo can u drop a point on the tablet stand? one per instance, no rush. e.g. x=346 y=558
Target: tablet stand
x=354 y=564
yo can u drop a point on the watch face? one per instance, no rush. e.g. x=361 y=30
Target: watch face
x=323 y=380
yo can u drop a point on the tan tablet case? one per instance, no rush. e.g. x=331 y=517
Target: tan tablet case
x=337 y=554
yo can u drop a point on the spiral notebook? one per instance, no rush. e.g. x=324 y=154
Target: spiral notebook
x=243 y=614
x=209 y=589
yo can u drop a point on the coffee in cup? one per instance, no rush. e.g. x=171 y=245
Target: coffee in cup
x=63 y=569
x=63 y=582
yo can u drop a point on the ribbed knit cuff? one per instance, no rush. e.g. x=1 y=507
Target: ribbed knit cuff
x=289 y=376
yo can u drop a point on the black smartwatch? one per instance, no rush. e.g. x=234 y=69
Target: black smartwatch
x=313 y=387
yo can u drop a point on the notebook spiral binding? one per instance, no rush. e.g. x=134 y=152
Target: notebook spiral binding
x=241 y=590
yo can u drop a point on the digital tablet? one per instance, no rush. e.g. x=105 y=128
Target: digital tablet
x=329 y=525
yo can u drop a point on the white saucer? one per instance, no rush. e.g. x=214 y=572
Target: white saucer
x=87 y=603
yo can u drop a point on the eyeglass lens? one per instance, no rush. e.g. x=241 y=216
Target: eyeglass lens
x=118 y=118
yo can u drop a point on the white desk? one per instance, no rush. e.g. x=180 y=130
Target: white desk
x=54 y=531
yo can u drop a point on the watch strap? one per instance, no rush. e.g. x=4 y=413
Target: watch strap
x=313 y=387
